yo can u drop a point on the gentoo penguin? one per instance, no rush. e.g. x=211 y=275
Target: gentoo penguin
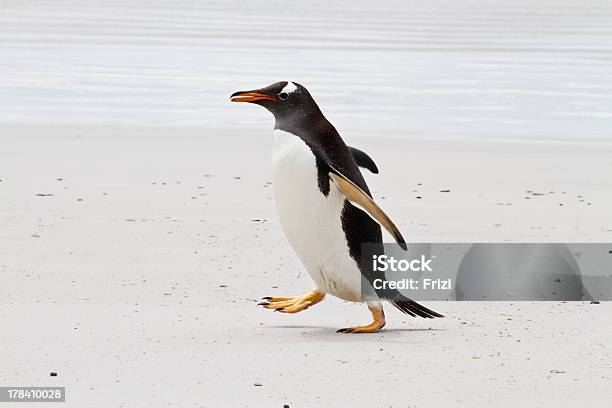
x=324 y=204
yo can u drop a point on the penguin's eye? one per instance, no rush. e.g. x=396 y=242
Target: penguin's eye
x=282 y=96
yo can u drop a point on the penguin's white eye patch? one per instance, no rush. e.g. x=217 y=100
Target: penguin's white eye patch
x=282 y=96
x=290 y=87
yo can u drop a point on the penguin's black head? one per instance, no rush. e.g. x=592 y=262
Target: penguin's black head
x=284 y=99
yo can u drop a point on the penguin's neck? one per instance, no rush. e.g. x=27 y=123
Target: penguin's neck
x=313 y=129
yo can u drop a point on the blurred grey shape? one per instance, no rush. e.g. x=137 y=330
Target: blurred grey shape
x=494 y=271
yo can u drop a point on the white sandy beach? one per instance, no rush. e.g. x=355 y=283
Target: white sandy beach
x=137 y=279
x=137 y=226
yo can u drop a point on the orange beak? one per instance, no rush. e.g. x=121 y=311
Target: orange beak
x=248 y=96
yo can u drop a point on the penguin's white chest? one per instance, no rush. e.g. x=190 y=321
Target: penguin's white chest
x=311 y=221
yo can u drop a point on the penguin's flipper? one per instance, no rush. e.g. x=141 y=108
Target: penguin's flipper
x=358 y=197
x=363 y=160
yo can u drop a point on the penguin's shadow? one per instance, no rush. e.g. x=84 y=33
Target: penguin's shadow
x=330 y=334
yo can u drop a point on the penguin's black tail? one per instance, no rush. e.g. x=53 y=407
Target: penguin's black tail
x=412 y=308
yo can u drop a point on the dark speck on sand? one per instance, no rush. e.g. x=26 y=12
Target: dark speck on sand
x=53 y=374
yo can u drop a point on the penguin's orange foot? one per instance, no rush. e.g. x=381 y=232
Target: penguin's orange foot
x=293 y=304
x=379 y=322
x=370 y=328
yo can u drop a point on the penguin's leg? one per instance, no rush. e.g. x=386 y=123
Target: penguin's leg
x=378 y=316
x=293 y=304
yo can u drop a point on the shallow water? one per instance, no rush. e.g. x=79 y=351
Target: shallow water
x=432 y=69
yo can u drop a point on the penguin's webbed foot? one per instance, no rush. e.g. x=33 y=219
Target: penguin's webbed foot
x=292 y=304
x=370 y=328
x=378 y=323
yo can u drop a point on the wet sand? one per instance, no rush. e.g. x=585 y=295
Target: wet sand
x=486 y=69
